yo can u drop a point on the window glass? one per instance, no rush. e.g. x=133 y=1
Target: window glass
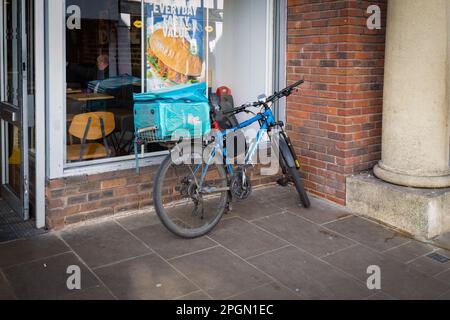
x=103 y=50
x=113 y=52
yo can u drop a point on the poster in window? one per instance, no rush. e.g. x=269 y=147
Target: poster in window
x=174 y=43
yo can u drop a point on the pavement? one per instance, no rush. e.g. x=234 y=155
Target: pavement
x=268 y=248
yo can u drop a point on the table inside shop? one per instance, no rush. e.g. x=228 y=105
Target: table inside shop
x=85 y=97
x=89 y=99
x=73 y=91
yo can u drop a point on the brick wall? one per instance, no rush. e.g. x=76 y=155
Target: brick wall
x=335 y=120
x=77 y=199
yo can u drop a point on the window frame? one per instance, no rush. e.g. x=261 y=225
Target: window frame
x=57 y=166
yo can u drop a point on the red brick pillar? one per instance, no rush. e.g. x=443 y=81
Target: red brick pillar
x=335 y=121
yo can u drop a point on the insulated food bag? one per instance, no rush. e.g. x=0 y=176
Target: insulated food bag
x=182 y=110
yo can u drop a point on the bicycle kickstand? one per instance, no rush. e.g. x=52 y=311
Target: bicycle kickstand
x=229 y=205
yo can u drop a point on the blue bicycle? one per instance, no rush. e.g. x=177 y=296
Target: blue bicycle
x=195 y=186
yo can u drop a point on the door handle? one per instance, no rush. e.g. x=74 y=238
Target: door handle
x=13 y=116
x=7 y=114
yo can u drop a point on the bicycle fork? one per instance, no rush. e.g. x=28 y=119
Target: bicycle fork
x=290 y=145
x=291 y=162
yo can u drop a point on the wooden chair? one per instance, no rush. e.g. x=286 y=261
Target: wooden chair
x=90 y=127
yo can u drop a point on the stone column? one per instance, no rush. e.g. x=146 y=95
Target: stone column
x=416 y=95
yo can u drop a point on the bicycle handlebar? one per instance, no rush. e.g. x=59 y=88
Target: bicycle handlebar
x=286 y=92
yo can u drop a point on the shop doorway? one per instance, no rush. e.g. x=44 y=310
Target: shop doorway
x=17 y=124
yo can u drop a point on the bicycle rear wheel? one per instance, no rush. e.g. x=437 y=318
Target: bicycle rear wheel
x=185 y=206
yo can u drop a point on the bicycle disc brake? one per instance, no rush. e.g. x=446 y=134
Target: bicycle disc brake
x=197 y=199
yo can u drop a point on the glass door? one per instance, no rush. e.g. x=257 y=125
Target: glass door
x=13 y=106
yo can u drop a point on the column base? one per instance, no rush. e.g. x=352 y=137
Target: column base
x=434 y=182
x=423 y=213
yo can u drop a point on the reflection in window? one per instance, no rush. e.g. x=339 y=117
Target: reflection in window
x=103 y=71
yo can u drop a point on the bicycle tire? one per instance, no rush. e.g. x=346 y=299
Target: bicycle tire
x=167 y=221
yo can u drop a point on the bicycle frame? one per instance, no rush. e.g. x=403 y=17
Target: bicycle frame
x=268 y=121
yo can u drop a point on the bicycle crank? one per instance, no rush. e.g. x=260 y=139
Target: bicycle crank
x=240 y=186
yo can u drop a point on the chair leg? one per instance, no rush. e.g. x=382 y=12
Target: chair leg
x=105 y=141
x=83 y=142
x=131 y=145
x=113 y=140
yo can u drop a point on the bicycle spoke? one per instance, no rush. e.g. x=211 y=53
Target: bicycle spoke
x=186 y=209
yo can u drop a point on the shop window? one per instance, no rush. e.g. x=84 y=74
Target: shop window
x=113 y=52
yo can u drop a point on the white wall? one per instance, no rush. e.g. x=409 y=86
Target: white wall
x=240 y=59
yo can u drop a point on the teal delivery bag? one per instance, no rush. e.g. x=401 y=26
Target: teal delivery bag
x=191 y=92
x=179 y=119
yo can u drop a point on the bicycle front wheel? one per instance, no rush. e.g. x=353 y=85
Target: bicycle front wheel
x=186 y=204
